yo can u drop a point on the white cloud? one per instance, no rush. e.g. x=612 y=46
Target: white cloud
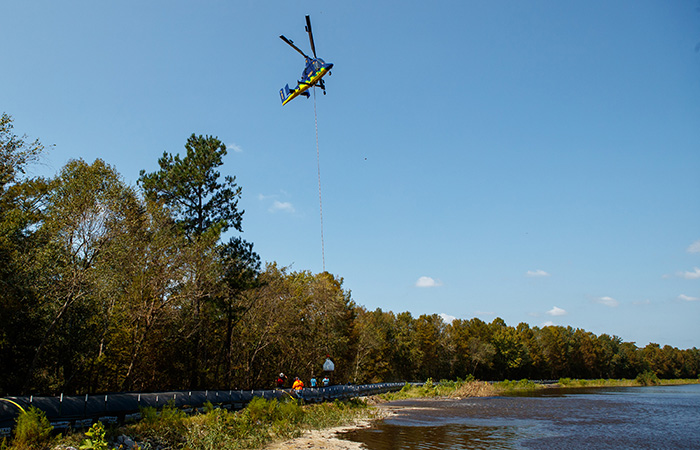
x=608 y=301
x=427 y=282
x=646 y=301
x=282 y=206
x=548 y=323
x=694 y=247
x=688 y=298
x=447 y=318
x=694 y=275
x=537 y=273
x=235 y=147
x=555 y=311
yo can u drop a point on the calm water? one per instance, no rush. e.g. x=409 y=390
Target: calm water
x=611 y=418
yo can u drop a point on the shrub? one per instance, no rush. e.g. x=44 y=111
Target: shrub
x=289 y=411
x=647 y=378
x=260 y=410
x=474 y=389
x=522 y=385
x=166 y=426
x=216 y=429
x=33 y=430
x=96 y=438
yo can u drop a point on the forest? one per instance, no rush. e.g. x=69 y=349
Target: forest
x=109 y=287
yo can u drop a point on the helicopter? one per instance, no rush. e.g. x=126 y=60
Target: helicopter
x=313 y=72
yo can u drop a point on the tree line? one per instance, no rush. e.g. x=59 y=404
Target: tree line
x=110 y=287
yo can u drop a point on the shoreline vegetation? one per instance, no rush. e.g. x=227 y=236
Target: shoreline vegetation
x=475 y=388
x=261 y=423
x=275 y=425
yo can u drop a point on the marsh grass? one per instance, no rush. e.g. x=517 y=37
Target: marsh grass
x=445 y=388
x=474 y=388
x=428 y=389
x=601 y=382
x=328 y=415
x=460 y=388
x=508 y=386
x=160 y=427
x=647 y=378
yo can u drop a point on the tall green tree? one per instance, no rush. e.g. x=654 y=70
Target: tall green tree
x=373 y=337
x=204 y=205
x=192 y=187
x=458 y=346
x=511 y=355
x=295 y=320
x=15 y=152
x=146 y=268
x=407 y=356
x=22 y=201
x=240 y=274
x=86 y=205
x=429 y=340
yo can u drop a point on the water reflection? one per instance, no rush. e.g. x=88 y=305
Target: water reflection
x=391 y=437
x=611 y=418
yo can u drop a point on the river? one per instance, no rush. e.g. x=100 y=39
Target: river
x=660 y=417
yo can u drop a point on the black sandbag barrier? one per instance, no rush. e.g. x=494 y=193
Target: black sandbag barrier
x=9 y=410
x=77 y=412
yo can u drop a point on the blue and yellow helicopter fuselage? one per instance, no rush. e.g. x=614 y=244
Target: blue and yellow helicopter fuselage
x=315 y=69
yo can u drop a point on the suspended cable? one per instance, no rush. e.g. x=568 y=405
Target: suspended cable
x=320 y=202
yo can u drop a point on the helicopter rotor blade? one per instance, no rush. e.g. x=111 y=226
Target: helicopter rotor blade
x=311 y=36
x=293 y=46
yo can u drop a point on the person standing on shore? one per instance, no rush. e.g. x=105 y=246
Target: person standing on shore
x=280 y=380
x=313 y=381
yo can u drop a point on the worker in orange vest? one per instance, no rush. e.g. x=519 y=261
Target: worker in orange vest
x=298 y=385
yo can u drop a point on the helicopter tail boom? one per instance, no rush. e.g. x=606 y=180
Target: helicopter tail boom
x=285 y=93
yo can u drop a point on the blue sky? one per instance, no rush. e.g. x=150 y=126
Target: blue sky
x=536 y=161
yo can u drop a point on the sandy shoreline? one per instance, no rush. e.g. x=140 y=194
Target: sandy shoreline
x=326 y=439
x=322 y=439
